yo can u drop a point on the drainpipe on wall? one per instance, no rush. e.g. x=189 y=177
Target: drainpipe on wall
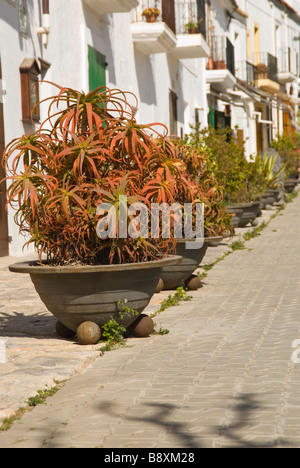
x=44 y=30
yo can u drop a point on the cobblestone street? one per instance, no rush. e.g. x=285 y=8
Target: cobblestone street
x=226 y=375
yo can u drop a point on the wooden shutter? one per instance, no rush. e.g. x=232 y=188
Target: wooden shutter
x=168 y=14
x=173 y=113
x=201 y=17
x=97 y=68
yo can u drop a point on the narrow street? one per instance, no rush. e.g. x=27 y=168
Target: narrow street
x=226 y=375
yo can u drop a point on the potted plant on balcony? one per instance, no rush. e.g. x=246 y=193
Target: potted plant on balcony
x=151 y=14
x=192 y=27
x=261 y=71
x=83 y=157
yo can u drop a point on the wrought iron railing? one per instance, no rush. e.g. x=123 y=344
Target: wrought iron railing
x=222 y=54
x=265 y=66
x=190 y=17
x=288 y=60
x=182 y=16
x=166 y=11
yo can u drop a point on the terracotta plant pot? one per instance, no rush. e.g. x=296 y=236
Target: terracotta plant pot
x=219 y=65
x=78 y=294
x=175 y=276
x=151 y=18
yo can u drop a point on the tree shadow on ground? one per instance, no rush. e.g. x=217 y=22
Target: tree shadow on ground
x=237 y=434
x=161 y=418
x=245 y=408
x=16 y=324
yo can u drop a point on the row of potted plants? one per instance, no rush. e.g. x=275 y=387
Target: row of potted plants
x=249 y=186
x=88 y=153
x=91 y=153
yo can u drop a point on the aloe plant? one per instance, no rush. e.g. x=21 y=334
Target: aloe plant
x=90 y=150
x=77 y=159
x=265 y=166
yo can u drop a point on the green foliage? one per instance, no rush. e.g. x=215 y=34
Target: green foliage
x=161 y=331
x=87 y=154
x=288 y=149
x=208 y=189
x=230 y=166
x=237 y=245
x=180 y=295
x=263 y=168
x=42 y=395
x=113 y=331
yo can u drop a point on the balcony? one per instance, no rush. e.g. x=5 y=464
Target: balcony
x=220 y=70
x=266 y=72
x=172 y=30
x=246 y=72
x=287 y=65
x=191 y=29
x=157 y=34
x=101 y=7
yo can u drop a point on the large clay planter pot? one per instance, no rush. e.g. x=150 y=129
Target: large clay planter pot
x=78 y=294
x=267 y=199
x=175 y=276
x=290 y=185
x=236 y=213
x=270 y=197
x=274 y=194
x=244 y=213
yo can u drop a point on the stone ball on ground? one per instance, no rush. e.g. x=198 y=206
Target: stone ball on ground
x=160 y=286
x=88 y=333
x=193 y=283
x=63 y=331
x=143 y=326
x=255 y=222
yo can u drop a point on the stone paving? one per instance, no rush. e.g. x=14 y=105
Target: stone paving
x=227 y=374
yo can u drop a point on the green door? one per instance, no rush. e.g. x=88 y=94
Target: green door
x=97 y=68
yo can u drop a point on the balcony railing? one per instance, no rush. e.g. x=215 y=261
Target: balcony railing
x=182 y=17
x=265 y=66
x=288 y=61
x=222 y=54
x=166 y=8
x=190 y=17
x=245 y=71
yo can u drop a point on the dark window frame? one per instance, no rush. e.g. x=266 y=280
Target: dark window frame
x=29 y=76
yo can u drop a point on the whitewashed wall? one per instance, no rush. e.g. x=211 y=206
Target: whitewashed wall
x=73 y=26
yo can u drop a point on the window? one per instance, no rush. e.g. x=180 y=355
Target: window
x=30 y=71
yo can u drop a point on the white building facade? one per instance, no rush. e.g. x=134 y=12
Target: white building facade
x=192 y=65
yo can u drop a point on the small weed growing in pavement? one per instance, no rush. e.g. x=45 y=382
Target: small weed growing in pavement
x=180 y=295
x=209 y=266
x=31 y=403
x=42 y=395
x=8 y=422
x=256 y=231
x=113 y=331
x=291 y=196
x=237 y=245
x=161 y=331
